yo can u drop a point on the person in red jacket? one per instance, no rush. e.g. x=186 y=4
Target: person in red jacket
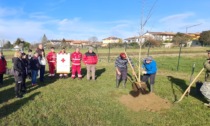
x=63 y=51
x=51 y=58
x=90 y=59
x=76 y=58
x=3 y=67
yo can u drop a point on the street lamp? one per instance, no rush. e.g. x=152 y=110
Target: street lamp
x=192 y=26
x=125 y=46
x=180 y=49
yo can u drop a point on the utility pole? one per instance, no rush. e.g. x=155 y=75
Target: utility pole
x=192 y=26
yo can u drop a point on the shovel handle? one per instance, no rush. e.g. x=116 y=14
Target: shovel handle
x=190 y=85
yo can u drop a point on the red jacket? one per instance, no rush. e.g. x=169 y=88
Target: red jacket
x=90 y=58
x=3 y=66
x=76 y=58
x=51 y=57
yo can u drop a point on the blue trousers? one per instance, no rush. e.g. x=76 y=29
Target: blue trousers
x=34 y=74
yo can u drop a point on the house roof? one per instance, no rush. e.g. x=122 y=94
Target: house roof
x=111 y=38
x=76 y=41
x=136 y=37
x=55 y=40
x=70 y=41
x=193 y=34
x=162 y=33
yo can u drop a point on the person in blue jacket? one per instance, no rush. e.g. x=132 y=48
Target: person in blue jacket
x=149 y=71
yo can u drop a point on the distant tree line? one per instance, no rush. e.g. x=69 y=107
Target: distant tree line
x=179 y=38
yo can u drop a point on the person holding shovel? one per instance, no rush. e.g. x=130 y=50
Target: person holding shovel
x=121 y=65
x=149 y=71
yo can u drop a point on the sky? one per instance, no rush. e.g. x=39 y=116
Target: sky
x=83 y=19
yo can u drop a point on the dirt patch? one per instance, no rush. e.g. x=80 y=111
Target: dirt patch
x=148 y=102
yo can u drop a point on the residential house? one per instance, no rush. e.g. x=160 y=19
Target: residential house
x=76 y=42
x=193 y=43
x=16 y=47
x=55 y=42
x=160 y=36
x=69 y=42
x=195 y=36
x=108 y=40
x=136 y=39
x=168 y=45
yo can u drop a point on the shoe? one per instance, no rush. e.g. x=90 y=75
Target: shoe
x=19 y=96
x=49 y=75
x=52 y=75
x=33 y=84
x=23 y=91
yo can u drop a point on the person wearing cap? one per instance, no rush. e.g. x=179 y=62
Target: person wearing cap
x=51 y=58
x=76 y=58
x=121 y=65
x=205 y=88
x=90 y=59
x=149 y=71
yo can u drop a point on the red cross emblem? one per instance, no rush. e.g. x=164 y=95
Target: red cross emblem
x=63 y=60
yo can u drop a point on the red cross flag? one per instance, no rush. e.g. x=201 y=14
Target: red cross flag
x=63 y=63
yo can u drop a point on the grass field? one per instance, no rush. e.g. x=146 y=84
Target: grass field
x=60 y=102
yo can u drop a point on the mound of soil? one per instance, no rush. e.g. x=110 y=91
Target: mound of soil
x=148 y=102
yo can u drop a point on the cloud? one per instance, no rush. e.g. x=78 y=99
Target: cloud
x=15 y=23
x=180 y=22
x=32 y=30
x=38 y=16
x=28 y=30
x=5 y=12
x=177 y=17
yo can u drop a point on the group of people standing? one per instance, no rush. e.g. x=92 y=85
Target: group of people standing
x=29 y=65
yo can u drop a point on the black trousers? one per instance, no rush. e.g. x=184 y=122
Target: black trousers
x=42 y=71
x=1 y=78
x=17 y=88
x=23 y=84
x=149 y=76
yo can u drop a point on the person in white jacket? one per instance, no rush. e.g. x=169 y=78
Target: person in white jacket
x=42 y=62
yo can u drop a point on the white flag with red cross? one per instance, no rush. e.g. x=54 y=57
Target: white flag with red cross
x=63 y=63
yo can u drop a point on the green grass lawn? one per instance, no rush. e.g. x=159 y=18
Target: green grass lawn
x=81 y=102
